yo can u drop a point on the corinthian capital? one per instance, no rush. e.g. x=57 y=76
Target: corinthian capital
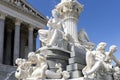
x=2 y=15
x=18 y=22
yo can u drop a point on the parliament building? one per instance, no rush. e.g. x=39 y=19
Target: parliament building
x=19 y=24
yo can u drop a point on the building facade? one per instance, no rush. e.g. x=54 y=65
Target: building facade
x=19 y=23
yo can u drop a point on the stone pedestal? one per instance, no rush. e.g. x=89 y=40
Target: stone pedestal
x=57 y=55
x=76 y=62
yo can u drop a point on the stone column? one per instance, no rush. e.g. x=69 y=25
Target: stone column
x=30 y=39
x=34 y=44
x=34 y=41
x=17 y=40
x=70 y=27
x=7 y=52
x=69 y=13
x=2 y=24
x=22 y=44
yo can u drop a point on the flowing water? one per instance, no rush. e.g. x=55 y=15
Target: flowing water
x=9 y=75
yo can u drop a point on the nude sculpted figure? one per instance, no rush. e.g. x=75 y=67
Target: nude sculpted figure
x=99 y=62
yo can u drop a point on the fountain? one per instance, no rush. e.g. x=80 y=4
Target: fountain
x=66 y=53
x=9 y=75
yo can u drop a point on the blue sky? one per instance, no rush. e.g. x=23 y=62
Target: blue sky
x=100 y=19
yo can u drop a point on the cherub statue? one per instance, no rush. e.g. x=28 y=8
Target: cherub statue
x=41 y=66
x=58 y=74
x=23 y=70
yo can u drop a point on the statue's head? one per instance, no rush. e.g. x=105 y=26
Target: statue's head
x=67 y=0
x=41 y=58
x=117 y=69
x=55 y=13
x=19 y=61
x=32 y=57
x=101 y=46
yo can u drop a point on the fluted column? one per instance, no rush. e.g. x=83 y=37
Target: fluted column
x=2 y=24
x=30 y=39
x=69 y=14
x=70 y=27
x=17 y=40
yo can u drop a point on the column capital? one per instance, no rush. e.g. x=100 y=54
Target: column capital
x=18 y=21
x=31 y=28
x=2 y=15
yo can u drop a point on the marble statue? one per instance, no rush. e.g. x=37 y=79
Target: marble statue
x=116 y=74
x=26 y=70
x=39 y=70
x=58 y=74
x=36 y=67
x=23 y=69
x=90 y=60
x=84 y=39
x=64 y=74
x=24 y=7
x=54 y=34
x=44 y=36
x=99 y=62
x=55 y=75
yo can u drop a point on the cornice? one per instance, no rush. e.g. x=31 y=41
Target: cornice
x=37 y=17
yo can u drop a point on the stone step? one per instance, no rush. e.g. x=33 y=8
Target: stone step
x=81 y=78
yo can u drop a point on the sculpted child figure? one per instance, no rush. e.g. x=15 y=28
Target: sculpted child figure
x=23 y=70
x=41 y=65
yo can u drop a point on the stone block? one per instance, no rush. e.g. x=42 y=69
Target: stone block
x=78 y=51
x=76 y=66
x=76 y=74
x=80 y=60
x=81 y=78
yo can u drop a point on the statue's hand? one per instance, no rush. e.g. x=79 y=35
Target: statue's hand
x=112 y=49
